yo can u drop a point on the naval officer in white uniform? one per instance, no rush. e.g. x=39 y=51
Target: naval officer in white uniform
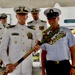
x=3 y=25
x=20 y=40
x=39 y=26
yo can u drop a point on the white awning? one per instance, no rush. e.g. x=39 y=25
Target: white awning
x=36 y=3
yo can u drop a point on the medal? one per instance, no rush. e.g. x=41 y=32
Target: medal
x=29 y=35
x=15 y=41
x=41 y=27
x=57 y=37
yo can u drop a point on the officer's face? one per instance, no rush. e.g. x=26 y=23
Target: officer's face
x=3 y=21
x=53 y=20
x=21 y=18
x=35 y=16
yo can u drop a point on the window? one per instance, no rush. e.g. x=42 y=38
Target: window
x=69 y=21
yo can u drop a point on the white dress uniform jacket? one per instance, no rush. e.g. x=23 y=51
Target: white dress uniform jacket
x=38 y=26
x=19 y=44
x=2 y=30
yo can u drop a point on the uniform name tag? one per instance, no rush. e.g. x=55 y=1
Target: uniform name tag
x=15 y=33
x=0 y=28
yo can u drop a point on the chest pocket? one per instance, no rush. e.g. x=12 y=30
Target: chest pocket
x=63 y=40
x=41 y=28
x=29 y=39
x=16 y=38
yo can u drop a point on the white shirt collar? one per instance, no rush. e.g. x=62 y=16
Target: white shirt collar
x=36 y=21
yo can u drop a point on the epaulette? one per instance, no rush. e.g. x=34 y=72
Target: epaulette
x=10 y=26
x=31 y=27
x=29 y=22
x=43 y=21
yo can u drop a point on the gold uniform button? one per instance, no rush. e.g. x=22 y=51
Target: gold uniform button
x=22 y=35
x=57 y=62
x=22 y=29
x=15 y=41
x=23 y=50
x=36 y=36
x=3 y=33
x=37 y=32
x=23 y=43
x=15 y=37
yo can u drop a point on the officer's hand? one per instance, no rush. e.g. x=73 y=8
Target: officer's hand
x=36 y=48
x=43 y=73
x=72 y=71
x=10 y=67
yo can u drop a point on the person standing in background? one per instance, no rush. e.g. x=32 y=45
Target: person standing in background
x=39 y=26
x=57 y=51
x=3 y=25
x=4 y=19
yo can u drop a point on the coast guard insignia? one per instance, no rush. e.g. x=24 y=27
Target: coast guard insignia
x=30 y=36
